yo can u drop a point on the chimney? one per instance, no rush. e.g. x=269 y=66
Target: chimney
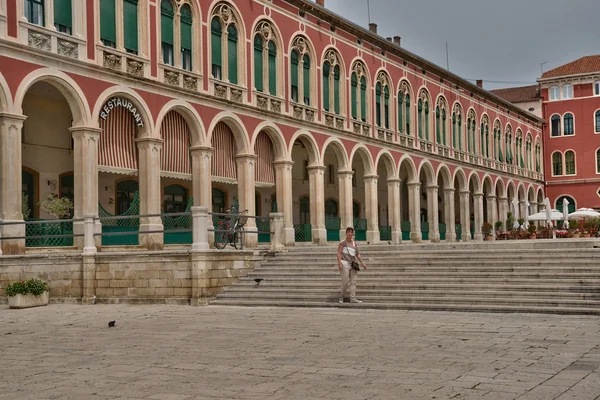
x=397 y=40
x=373 y=27
x=480 y=83
x=321 y=3
x=389 y=39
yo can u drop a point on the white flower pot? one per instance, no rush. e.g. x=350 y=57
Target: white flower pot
x=28 y=300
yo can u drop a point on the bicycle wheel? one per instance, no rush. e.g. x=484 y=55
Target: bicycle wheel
x=238 y=239
x=221 y=240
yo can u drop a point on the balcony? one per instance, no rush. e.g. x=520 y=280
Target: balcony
x=406 y=140
x=124 y=62
x=179 y=77
x=267 y=102
x=426 y=146
x=334 y=120
x=361 y=128
x=227 y=91
x=443 y=151
x=52 y=41
x=385 y=135
x=459 y=155
x=303 y=112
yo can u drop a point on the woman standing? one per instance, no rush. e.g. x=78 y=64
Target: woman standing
x=347 y=253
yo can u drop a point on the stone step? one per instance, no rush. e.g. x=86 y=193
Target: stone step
x=475 y=268
x=415 y=306
x=428 y=276
x=450 y=254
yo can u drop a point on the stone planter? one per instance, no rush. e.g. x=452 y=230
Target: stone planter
x=532 y=236
x=28 y=300
x=489 y=238
x=575 y=236
x=585 y=235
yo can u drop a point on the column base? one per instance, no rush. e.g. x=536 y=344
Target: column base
x=450 y=237
x=151 y=241
x=478 y=237
x=434 y=237
x=373 y=237
x=290 y=236
x=396 y=236
x=13 y=246
x=320 y=236
x=465 y=237
x=416 y=237
x=78 y=229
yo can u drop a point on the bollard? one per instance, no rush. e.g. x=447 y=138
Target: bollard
x=199 y=228
x=277 y=232
x=89 y=246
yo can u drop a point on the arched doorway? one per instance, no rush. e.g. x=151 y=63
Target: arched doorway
x=176 y=199
x=332 y=215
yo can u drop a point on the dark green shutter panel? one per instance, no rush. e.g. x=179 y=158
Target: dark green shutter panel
x=272 y=68
x=62 y=13
x=216 y=45
x=354 y=95
x=444 y=127
x=419 y=118
x=307 y=79
x=400 y=110
x=326 y=73
x=377 y=104
x=407 y=114
x=186 y=28
x=363 y=98
x=108 y=27
x=258 y=63
x=386 y=105
x=166 y=22
x=336 y=89
x=232 y=54
x=294 y=71
x=130 y=24
x=438 y=133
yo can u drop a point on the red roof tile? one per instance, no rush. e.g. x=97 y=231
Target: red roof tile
x=587 y=64
x=518 y=94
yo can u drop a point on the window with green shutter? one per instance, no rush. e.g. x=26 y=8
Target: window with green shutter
x=258 y=62
x=294 y=74
x=459 y=131
x=306 y=65
x=326 y=77
x=354 y=95
x=34 y=11
x=378 y=104
x=363 y=99
x=336 y=89
x=185 y=23
x=438 y=130
x=420 y=118
x=444 y=136
x=166 y=31
x=63 y=16
x=272 y=68
x=400 y=111
x=216 y=47
x=487 y=141
x=454 y=141
x=108 y=27
x=407 y=114
x=130 y=25
x=473 y=132
x=427 y=121
x=386 y=106
x=232 y=50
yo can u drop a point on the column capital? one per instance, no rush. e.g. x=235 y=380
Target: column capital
x=432 y=187
x=13 y=117
x=148 y=140
x=502 y=198
x=82 y=131
x=371 y=178
x=312 y=168
x=414 y=184
x=394 y=180
x=464 y=193
x=246 y=156
x=283 y=163
x=491 y=196
x=202 y=149
x=478 y=195
x=448 y=190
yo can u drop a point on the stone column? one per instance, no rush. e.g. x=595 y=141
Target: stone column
x=394 y=209
x=199 y=228
x=503 y=210
x=449 y=212
x=371 y=204
x=246 y=195
x=346 y=215
x=432 y=213
x=317 y=204
x=150 y=192
x=492 y=211
x=414 y=211
x=478 y=217
x=285 y=201
x=465 y=214
x=11 y=182
x=202 y=181
x=277 y=237
x=85 y=176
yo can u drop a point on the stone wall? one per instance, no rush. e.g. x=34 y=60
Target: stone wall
x=180 y=277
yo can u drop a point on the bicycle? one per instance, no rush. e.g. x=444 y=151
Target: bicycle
x=231 y=231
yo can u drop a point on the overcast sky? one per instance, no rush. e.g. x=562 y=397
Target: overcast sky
x=501 y=42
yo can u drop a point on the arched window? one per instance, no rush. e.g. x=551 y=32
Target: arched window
x=528 y=151
x=485 y=137
x=570 y=208
x=597 y=121
x=555 y=125
x=598 y=161
x=570 y=163
x=332 y=82
x=459 y=131
x=474 y=134
x=185 y=24
x=508 y=145
x=420 y=117
x=300 y=65
x=63 y=16
x=569 y=126
x=354 y=96
x=557 y=162
x=166 y=31
x=363 y=98
x=440 y=121
x=498 y=142
x=382 y=101
x=471 y=132
x=358 y=91
x=404 y=108
x=265 y=59
x=34 y=11
x=407 y=112
x=538 y=155
x=520 y=160
x=224 y=49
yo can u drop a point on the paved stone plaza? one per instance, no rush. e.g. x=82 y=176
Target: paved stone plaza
x=180 y=352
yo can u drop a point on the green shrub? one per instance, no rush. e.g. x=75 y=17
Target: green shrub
x=32 y=286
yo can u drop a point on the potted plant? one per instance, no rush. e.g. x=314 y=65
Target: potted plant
x=521 y=221
x=588 y=225
x=487 y=231
x=498 y=228
x=25 y=294
x=59 y=208
x=532 y=230
x=510 y=221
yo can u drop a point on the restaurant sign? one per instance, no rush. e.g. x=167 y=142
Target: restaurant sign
x=121 y=102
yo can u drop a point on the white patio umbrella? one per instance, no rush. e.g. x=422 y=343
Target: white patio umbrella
x=566 y=212
x=583 y=213
x=553 y=215
x=526 y=213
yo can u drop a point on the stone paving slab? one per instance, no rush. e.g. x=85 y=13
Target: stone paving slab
x=162 y=352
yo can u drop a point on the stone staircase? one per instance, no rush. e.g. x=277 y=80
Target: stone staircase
x=538 y=276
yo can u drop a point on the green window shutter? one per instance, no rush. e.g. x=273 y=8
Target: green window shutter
x=459 y=131
x=336 y=89
x=306 y=60
x=354 y=95
x=438 y=131
x=407 y=114
x=166 y=22
x=454 y=130
x=258 y=62
x=62 y=13
x=378 y=104
x=272 y=68
x=363 y=98
x=419 y=118
x=444 y=140
x=216 y=45
x=427 y=121
x=108 y=27
x=130 y=24
x=294 y=74
x=487 y=141
x=386 y=106
x=186 y=27
x=232 y=56
x=400 y=110
x=326 y=73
